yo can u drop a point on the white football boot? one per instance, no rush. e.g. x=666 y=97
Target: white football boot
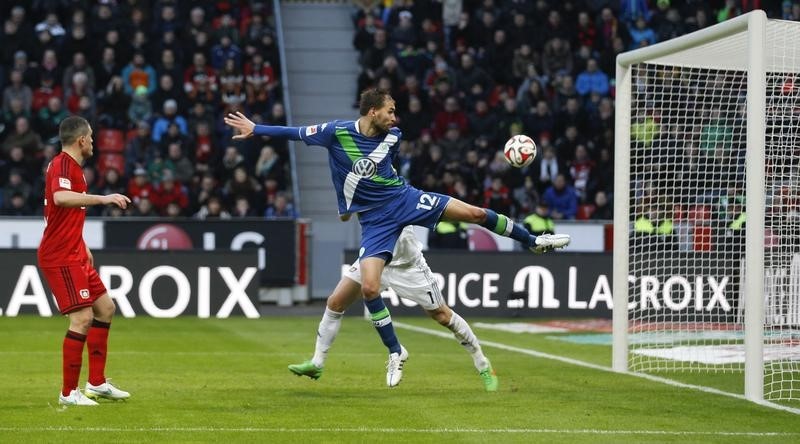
x=106 y=390
x=549 y=242
x=75 y=397
x=394 y=367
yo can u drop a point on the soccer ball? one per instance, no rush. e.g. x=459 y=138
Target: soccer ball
x=520 y=151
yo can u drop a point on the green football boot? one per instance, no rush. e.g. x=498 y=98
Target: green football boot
x=306 y=369
x=489 y=378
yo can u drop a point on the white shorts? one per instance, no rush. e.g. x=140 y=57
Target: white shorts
x=413 y=282
x=407 y=273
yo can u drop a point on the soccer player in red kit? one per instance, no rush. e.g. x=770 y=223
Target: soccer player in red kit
x=68 y=266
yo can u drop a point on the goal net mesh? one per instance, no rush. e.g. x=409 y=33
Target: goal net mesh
x=687 y=210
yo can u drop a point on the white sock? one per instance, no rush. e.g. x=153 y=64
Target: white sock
x=326 y=334
x=467 y=338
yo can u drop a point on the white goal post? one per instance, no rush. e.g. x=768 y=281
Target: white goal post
x=707 y=206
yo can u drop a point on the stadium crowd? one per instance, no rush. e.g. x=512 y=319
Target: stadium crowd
x=154 y=78
x=469 y=74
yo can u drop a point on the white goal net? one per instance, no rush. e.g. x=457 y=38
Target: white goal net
x=686 y=208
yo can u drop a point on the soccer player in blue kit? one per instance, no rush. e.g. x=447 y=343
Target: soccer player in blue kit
x=360 y=154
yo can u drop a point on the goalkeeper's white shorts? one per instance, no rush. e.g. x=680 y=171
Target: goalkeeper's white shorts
x=413 y=282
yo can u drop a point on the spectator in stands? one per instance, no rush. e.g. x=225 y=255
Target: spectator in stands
x=231 y=160
x=450 y=115
x=16 y=161
x=449 y=235
x=213 y=209
x=140 y=109
x=107 y=68
x=167 y=90
x=17 y=205
x=113 y=182
x=482 y=121
x=202 y=192
x=79 y=97
x=50 y=117
x=581 y=172
x=241 y=184
x=260 y=83
x=561 y=199
x=497 y=197
x=169 y=117
x=268 y=163
x=642 y=35
x=139 y=73
x=169 y=191
x=24 y=137
x=114 y=104
x=143 y=207
x=539 y=122
x=603 y=209
x=557 y=57
x=592 y=80
x=17 y=185
x=540 y=222
x=405 y=33
x=280 y=208
x=672 y=26
x=139 y=188
x=242 y=208
x=47 y=89
x=183 y=167
x=79 y=65
x=17 y=90
x=224 y=51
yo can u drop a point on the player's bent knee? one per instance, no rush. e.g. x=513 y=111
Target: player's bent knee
x=80 y=321
x=441 y=316
x=370 y=290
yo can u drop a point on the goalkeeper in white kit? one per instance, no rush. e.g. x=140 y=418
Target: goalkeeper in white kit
x=410 y=277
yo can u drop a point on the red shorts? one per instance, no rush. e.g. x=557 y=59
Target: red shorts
x=74 y=286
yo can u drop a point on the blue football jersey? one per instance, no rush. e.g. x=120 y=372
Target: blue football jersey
x=361 y=166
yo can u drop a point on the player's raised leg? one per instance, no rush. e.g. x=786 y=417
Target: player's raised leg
x=458 y=211
x=345 y=293
x=98 y=386
x=371 y=269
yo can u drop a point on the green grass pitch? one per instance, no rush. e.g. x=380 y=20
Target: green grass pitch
x=196 y=380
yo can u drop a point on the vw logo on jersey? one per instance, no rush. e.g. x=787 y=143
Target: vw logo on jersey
x=365 y=167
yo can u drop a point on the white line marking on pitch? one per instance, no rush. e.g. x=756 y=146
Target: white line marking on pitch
x=387 y=430
x=571 y=361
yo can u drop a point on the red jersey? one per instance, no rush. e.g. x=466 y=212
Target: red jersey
x=62 y=243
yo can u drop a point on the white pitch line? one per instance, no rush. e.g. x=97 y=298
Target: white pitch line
x=387 y=430
x=571 y=361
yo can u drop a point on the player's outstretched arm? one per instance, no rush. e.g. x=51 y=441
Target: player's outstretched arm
x=247 y=128
x=71 y=199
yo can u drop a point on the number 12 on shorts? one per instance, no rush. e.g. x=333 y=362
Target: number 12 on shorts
x=427 y=202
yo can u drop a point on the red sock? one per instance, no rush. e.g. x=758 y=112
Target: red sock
x=97 y=343
x=72 y=356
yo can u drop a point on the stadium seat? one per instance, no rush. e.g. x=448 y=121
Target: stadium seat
x=700 y=214
x=131 y=134
x=585 y=212
x=110 y=141
x=702 y=238
x=110 y=160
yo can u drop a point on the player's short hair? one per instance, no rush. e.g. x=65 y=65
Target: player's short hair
x=373 y=98
x=71 y=128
